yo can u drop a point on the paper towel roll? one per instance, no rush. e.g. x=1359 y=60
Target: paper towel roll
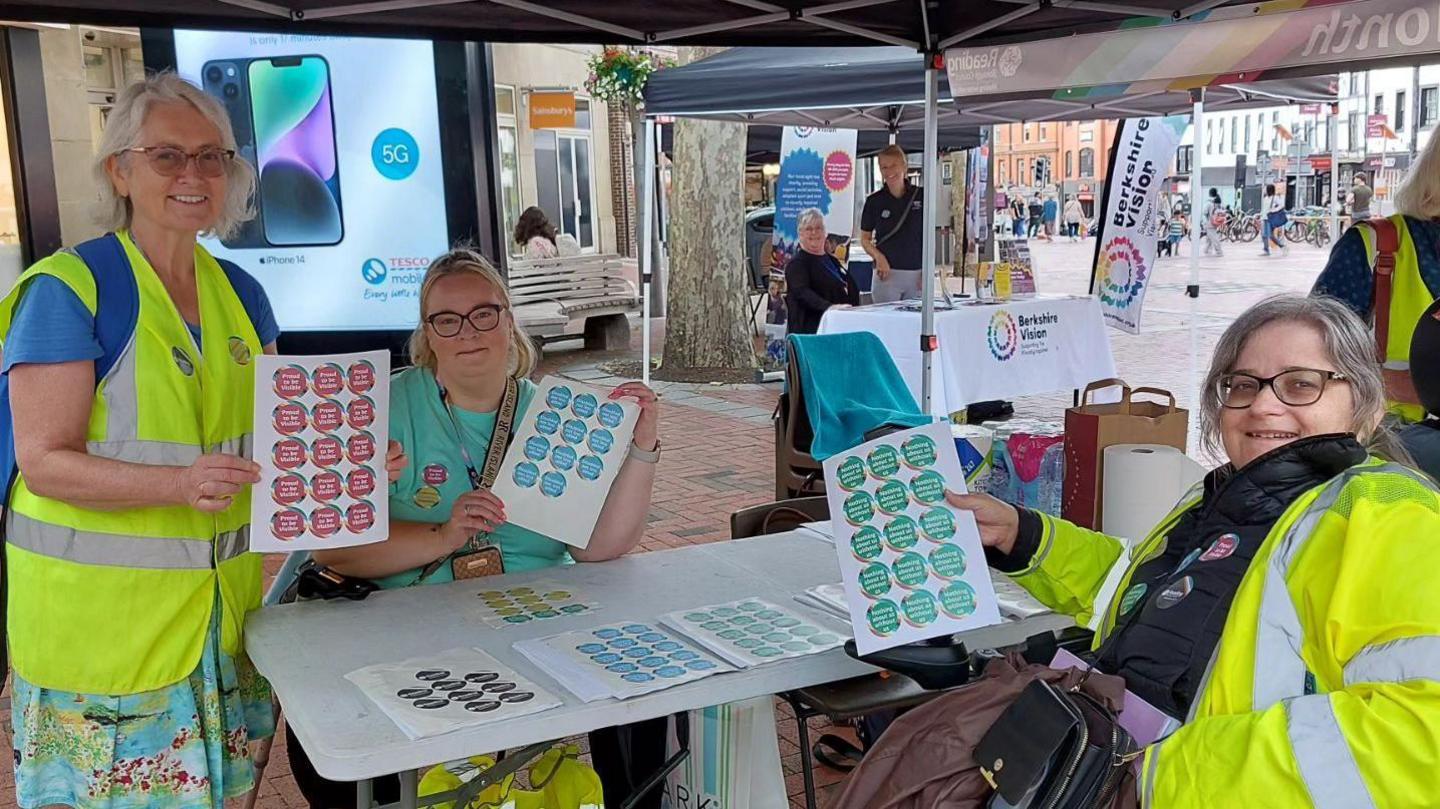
x=1142 y=483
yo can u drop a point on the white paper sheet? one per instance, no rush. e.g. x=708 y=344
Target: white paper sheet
x=322 y=425
x=563 y=459
x=620 y=660
x=752 y=632
x=539 y=601
x=912 y=566
x=458 y=688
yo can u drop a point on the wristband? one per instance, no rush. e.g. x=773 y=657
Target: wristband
x=645 y=456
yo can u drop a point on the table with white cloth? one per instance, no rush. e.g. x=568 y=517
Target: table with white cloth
x=306 y=649
x=990 y=350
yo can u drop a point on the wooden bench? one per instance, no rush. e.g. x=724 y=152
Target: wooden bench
x=574 y=297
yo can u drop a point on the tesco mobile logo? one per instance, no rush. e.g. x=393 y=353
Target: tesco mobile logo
x=1003 y=338
x=374 y=271
x=1010 y=61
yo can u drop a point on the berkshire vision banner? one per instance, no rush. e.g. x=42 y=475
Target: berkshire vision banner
x=817 y=170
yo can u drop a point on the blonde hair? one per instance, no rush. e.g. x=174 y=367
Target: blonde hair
x=893 y=150
x=461 y=261
x=122 y=133
x=1419 y=195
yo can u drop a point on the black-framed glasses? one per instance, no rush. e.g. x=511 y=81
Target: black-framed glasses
x=1296 y=387
x=168 y=161
x=484 y=317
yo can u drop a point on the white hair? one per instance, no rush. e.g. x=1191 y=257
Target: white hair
x=122 y=133
x=1419 y=194
x=807 y=215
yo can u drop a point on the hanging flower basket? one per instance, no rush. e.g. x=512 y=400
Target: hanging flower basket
x=618 y=75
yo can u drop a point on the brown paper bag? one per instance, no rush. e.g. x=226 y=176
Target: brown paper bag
x=1090 y=428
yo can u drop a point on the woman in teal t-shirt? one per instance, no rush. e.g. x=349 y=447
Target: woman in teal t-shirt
x=465 y=349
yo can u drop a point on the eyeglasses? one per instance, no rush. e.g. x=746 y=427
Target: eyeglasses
x=484 y=317
x=1297 y=387
x=168 y=161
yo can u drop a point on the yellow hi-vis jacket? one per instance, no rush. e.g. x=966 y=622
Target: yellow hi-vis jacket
x=1341 y=593
x=120 y=602
x=1409 y=298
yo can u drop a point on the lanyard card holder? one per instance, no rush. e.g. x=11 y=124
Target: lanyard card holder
x=479 y=558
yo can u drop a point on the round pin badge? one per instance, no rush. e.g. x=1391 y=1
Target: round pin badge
x=552 y=484
x=547 y=422
x=182 y=361
x=957 y=600
x=360 y=447
x=287 y=524
x=938 y=524
x=526 y=474
x=360 y=482
x=866 y=543
x=435 y=474
x=290 y=418
x=884 y=461
x=328 y=379
x=361 y=413
x=240 y=351
x=325 y=521
x=859 y=508
x=601 y=441
x=327 y=416
x=851 y=473
x=326 y=486
x=874 y=580
x=536 y=448
x=891 y=497
x=290 y=382
x=573 y=432
x=948 y=561
x=1175 y=593
x=591 y=467
x=919 y=608
x=563 y=458
x=288 y=489
x=426 y=497
x=900 y=533
x=327 y=451
x=929 y=487
x=883 y=617
x=611 y=414
x=918 y=451
x=359 y=517
x=1222 y=547
x=584 y=406
x=289 y=454
x=1132 y=596
x=360 y=377
x=558 y=397
x=910 y=570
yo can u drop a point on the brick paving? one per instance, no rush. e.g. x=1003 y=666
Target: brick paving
x=718 y=443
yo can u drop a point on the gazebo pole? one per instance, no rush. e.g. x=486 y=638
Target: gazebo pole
x=647 y=252
x=928 y=342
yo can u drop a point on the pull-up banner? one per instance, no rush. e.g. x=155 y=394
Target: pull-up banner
x=1227 y=45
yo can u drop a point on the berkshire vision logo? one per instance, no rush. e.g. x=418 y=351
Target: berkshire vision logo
x=1003 y=337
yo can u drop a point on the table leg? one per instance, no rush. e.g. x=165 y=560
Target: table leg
x=802 y=733
x=409 y=789
x=364 y=794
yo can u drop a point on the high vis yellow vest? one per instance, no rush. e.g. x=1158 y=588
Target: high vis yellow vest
x=1408 y=302
x=120 y=602
x=1324 y=689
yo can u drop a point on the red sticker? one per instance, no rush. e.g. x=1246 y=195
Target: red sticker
x=360 y=482
x=287 y=524
x=328 y=379
x=288 y=489
x=435 y=474
x=1223 y=546
x=359 y=517
x=326 y=486
x=328 y=416
x=362 y=413
x=325 y=521
x=290 y=382
x=326 y=451
x=361 y=376
x=290 y=418
x=360 y=447
x=289 y=454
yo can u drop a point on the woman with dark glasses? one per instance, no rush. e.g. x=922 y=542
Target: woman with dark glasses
x=1286 y=609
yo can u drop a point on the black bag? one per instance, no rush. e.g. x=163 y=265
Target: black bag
x=1059 y=749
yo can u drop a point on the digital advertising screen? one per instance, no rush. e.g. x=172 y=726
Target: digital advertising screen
x=344 y=135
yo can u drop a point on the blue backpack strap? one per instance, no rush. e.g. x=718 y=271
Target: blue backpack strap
x=117 y=298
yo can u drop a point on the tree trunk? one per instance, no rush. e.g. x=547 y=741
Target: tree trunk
x=707 y=323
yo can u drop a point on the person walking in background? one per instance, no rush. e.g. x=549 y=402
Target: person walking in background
x=1074 y=218
x=1019 y=213
x=892 y=231
x=1049 y=215
x=1178 y=225
x=1036 y=209
x=1214 y=220
x=1360 y=196
x=1273 y=220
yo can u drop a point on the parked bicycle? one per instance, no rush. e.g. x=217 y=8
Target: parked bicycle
x=1240 y=226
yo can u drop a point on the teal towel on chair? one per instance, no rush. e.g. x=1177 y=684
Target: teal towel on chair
x=851 y=386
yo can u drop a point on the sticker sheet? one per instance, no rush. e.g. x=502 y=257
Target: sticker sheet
x=563 y=459
x=322 y=426
x=912 y=566
x=435 y=694
x=752 y=632
x=538 y=602
x=620 y=660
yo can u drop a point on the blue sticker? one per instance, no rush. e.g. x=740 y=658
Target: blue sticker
x=713 y=626
x=726 y=612
x=558 y=397
x=651 y=637
x=638 y=677
x=622 y=668
x=652 y=661
x=606 y=634
x=574 y=431
x=683 y=655
x=548 y=422
x=699 y=665
x=670 y=671
x=552 y=484
x=667 y=646
x=585 y=405
x=768 y=615
x=635 y=629
x=526 y=474
x=563 y=458
x=601 y=441
x=591 y=467
x=591 y=648
x=638 y=652
x=536 y=448
x=606 y=658
x=622 y=643
x=611 y=414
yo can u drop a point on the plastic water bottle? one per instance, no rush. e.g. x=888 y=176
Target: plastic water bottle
x=1051 y=481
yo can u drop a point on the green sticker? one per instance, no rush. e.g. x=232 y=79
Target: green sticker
x=957 y=600
x=803 y=630
x=725 y=612
x=851 y=473
x=910 y=570
x=795 y=646
x=786 y=622
x=750 y=606
x=516 y=619
x=768 y=615
x=919 y=451
x=900 y=533
x=938 y=524
x=741 y=620
x=948 y=562
x=758 y=629
x=824 y=639
x=929 y=487
x=731 y=634
x=546 y=614
x=713 y=626
x=767 y=651
x=1132 y=597
x=859 y=508
x=892 y=497
x=883 y=617
x=571 y=609
x=875 y=580
x=919 y=608
x=884 y=461
x=775 y=637
x=749 y=643
x=697 y=617
x=866 y=543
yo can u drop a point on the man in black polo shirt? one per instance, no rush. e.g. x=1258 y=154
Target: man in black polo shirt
x=892 y=230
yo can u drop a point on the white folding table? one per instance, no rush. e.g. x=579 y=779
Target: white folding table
x=306 y=649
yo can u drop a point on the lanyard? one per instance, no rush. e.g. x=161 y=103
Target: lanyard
x=475 y=481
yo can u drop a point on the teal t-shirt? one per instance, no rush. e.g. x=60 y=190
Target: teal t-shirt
x=437 y=475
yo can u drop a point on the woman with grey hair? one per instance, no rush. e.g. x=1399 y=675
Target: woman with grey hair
x=1285 y=609
x=814 y=279
x=129 y=365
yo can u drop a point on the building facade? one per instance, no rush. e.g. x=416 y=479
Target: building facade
x=1068 y=157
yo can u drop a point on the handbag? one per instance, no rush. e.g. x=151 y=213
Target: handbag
x=900 y=223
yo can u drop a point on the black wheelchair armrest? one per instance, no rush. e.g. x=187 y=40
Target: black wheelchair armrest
x=933 y=667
